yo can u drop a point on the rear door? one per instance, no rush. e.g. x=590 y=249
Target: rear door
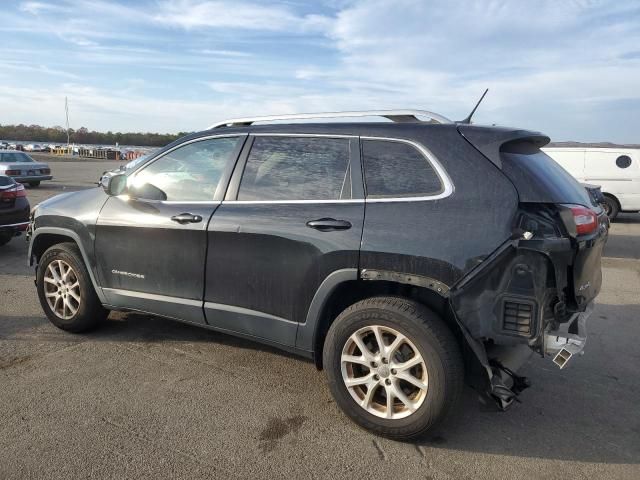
x=151 y=243
x=292 y=216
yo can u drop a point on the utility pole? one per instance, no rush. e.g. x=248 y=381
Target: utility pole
x=66 y=109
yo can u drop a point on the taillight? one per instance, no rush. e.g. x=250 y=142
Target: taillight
x=13 y=193
x=585 y=219
x=12 y=172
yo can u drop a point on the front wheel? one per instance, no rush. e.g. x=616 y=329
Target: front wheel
x=65 y=290
x=34 y=184
x=393 y=366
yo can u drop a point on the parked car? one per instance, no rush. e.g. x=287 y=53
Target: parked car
x=596 y=195
x=14 y=209
x=23 y=168
x=396 y=255
x=616 y=170
x=4 y=145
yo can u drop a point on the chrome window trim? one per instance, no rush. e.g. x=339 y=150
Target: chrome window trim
x=281 y=202
x=324 y=135
x=448 y=187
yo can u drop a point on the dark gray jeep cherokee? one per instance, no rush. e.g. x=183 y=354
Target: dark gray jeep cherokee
x=402 y=256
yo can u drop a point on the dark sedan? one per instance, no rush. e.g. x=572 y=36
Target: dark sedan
x=23 y=168
x=14 y=209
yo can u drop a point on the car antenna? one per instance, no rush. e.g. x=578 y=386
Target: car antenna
x=468 y=119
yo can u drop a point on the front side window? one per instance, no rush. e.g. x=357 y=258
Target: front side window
x=188 y=173
x=397 y=169
x=296 y=168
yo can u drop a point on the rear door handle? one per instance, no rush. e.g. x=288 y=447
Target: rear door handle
x=328 y=224
x=183 y=218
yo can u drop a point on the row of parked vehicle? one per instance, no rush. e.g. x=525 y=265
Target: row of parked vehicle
x=29 y=147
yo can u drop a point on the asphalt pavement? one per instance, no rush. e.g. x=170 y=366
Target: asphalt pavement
x=146 y=397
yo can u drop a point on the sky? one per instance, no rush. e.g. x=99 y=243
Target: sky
x=569 y=68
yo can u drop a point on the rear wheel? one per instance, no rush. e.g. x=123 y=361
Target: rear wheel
x=611 y=207
x=34 y=184
x=393 y=366
x=65 y=290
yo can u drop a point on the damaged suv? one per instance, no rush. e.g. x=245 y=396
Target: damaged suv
x=403 y=257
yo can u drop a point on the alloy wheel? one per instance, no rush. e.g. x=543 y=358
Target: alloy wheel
x=384 y=372
x=62 y=289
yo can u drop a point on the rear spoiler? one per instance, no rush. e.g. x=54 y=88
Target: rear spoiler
x=489 y=140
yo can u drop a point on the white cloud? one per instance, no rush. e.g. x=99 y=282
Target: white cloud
x=241 y=15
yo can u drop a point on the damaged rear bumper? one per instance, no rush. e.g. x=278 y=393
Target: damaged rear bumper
x=518 y=302
x=569 y=339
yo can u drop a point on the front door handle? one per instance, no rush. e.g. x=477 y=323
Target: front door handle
x=328 y=224
x=183 y=218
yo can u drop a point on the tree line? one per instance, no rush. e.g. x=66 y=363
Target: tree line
x=58 y=135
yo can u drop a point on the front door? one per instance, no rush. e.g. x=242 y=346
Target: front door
x=293 y=215
x=151 y=242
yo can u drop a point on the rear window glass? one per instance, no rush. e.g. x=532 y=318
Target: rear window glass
x=397 y=169
x=15 y=157
x=539 y=178
x=4 y=181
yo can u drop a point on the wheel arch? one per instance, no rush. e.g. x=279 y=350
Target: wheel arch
x=345 y=290
x=44 y=238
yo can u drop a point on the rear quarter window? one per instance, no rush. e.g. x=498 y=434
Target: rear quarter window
x=395 y=169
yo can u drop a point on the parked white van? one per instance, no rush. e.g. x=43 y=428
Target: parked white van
x=616 y=170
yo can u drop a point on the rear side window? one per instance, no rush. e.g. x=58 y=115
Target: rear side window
x=15 y=157
x=397 y=169
x=296 y=168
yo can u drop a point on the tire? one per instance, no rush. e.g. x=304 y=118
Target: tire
x=611 y=207
x=68 y=296
x=34 y=184
x=426 y=333
x=6 y=238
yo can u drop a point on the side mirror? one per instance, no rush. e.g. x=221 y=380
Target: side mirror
x=147 y=191
x=114 y=184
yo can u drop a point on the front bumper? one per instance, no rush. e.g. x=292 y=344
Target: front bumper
x=569 y=339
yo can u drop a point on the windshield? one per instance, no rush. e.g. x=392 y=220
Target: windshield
x=15 y=157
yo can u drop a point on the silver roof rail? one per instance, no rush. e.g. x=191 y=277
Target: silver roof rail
x=399 y=116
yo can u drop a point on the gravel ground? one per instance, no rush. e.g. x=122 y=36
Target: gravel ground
x=145 y=397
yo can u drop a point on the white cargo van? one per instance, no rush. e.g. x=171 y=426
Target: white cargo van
x=616 y=170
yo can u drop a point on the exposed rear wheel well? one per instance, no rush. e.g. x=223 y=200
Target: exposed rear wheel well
x=350 y=292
